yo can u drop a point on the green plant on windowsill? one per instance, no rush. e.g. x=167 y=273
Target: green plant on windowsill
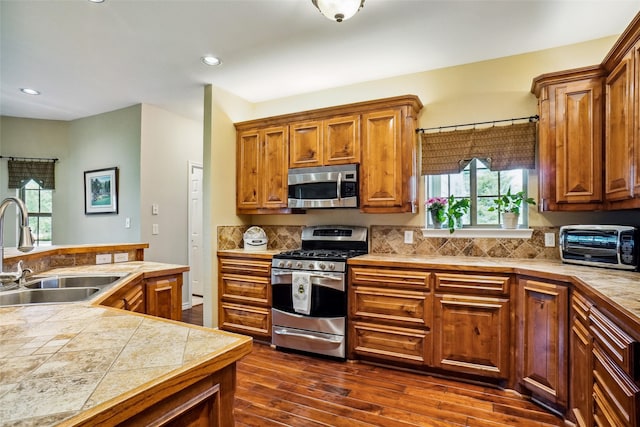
x=454 y=211
x=509 y=205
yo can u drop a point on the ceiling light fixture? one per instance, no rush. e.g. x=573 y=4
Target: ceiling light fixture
x=338 y=10
x=96 y=1
x=211 y=60
x=29 y=91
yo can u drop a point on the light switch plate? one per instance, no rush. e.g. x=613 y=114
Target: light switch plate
x=550 y=240
x=103 y=259
x=154 y=209
x=121 y=257
x=408 y=236
x=155 y=229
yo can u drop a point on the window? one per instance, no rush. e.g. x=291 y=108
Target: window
x=39 y=203
x=481 y=186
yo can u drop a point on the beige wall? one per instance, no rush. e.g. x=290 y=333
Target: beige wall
x=482 y=91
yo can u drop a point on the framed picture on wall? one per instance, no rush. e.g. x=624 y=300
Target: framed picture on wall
x=101 y=191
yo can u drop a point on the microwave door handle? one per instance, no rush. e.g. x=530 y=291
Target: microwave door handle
x=339 y=186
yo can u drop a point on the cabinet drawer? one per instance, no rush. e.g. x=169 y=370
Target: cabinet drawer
x=384 y=278
x=622 y=348
x=580 y=307
x=413 y=308
x=616 y=396
x=254 y=321
x=245 y=289
x=481 y=284
x=245 y=266
x=391 y=343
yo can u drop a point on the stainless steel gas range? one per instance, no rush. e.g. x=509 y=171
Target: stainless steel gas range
x=309 y=290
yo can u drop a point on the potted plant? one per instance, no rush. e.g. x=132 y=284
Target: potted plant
x=455 y=210
x=509 y=206
x=436 y=206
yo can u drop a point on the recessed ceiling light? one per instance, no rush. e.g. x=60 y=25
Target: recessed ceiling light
x=211 y=60
x=29 y=91
x=96 y=1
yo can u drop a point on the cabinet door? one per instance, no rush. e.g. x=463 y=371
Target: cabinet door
x=542 y=341
x=342 y=140
x=273 y=168
x=619 y=131
x=471 y=335
x=164 y=297
x=381 y=173
x=248 y=163
x=578 y=120
x=305 y=146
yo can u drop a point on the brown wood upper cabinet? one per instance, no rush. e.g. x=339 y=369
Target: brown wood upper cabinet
x=622 y=136
x=590 y=143
x=378 y=134
x=261 y=169
x=334 y=141
x=570 y=106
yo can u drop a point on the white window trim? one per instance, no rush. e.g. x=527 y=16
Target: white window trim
x=465 y=233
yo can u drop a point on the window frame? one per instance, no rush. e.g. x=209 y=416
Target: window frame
x=22 y=195
x=473 y=196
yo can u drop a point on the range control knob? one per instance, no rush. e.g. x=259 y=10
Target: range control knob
x=280 y=264
x=322 y=266
x=311 y=266
x=288 y=265
x=332 y=266
x=298 y=264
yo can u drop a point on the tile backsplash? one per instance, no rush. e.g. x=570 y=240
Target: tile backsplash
x=389 y=239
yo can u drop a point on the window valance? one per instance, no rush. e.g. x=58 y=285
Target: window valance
x=42 y=172
x=498 y=147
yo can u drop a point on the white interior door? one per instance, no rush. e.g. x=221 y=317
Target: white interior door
x=195 y=229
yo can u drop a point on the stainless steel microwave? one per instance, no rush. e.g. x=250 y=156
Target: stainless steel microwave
x=612 y=246
x=323 y=187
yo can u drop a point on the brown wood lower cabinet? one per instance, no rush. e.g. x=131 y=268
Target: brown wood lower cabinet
x=244 y=294
x=157 y=296
x=130 y=297
x=580 y=408
x=471 y=334
x=164 y=297
x=542 y=341
x=404 y=345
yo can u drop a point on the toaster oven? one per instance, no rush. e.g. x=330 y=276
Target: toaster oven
x=612 y=246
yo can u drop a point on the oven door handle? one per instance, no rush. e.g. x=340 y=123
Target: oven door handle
x=321 y=276
x=285 y=332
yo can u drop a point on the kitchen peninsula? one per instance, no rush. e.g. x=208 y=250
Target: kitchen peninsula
x=84 y=364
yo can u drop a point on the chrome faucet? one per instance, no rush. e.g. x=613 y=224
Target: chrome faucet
x=25 y=241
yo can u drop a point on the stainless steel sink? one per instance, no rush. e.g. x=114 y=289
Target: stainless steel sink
x=42 y=296
x=80 y=281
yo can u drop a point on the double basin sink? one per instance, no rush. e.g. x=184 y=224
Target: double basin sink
x=59 y=289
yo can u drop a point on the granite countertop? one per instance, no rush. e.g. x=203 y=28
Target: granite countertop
x=620 y=287
x=59 y=360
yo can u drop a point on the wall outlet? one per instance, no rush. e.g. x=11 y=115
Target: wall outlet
x=155 y=209
x=103 y=259
x=127 y=222
x=121 y=257
x=408 y=236
x=550 y=240
x=155 y=229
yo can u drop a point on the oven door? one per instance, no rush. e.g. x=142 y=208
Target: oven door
x=328 y=293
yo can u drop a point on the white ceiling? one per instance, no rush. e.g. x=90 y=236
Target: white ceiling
x=90 y=58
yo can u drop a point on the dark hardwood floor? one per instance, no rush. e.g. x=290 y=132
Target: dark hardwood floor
x=277 y=388
x=193 y=315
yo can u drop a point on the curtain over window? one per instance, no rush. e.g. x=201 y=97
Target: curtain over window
x=42 y=172
x=498 y=147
